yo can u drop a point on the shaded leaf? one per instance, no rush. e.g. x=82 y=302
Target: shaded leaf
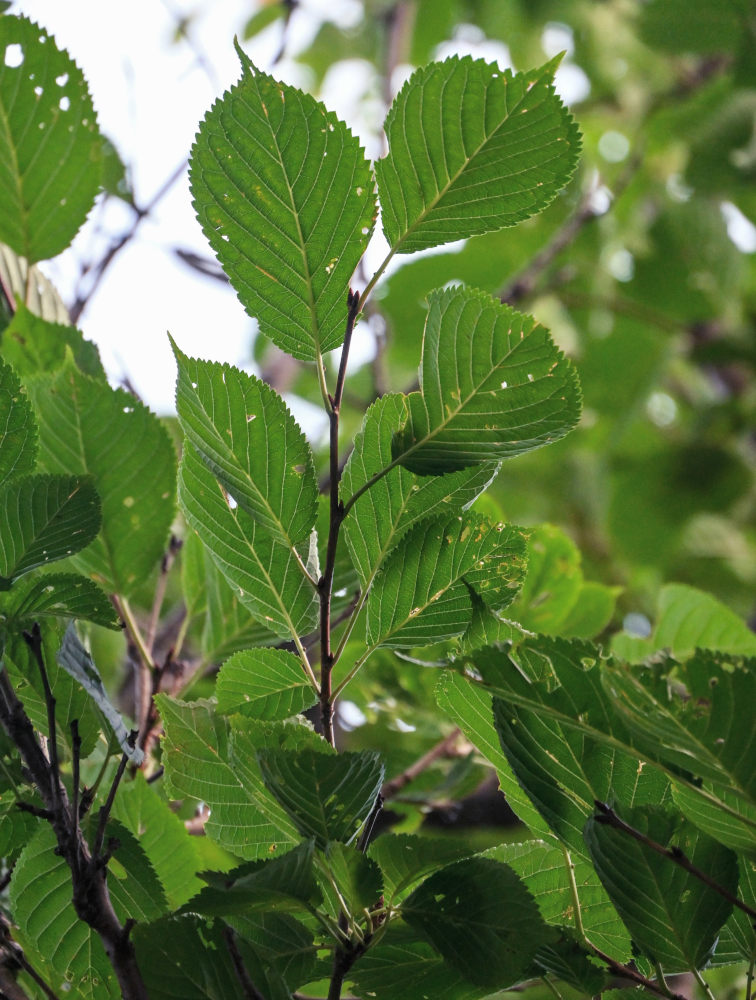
x=133 y=885
x=33 y=345
x=265 y=575
x=405 y=859
x=44 y=519
x=50 y=147
x=60 y=595
x=201 y=762
x=673 y=917
x=74 y=658
x=424 y=590
x=394 y=504
x=492 y=385
x=327 y=797
x=277 y=885
x=162 y=836
x=285 y=196
x=40 y=896
x=87 y=427
x=472 y=149
x=264 y=684
x=357 y=878
x=480 y=917
x=247 y=437
x=18 y=431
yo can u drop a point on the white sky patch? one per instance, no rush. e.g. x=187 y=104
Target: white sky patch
x=740 y=229
x=557 y=37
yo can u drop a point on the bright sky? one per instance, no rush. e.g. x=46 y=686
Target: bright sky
x=150 y=96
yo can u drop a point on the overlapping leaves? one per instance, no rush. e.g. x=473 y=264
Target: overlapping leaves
x=492 y=385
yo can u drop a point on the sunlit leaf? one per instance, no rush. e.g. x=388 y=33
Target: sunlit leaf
x=18 y=432
x=472 y=149
x=285 y=196
x=263 y=684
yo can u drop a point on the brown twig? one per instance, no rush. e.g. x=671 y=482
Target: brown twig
x=608 y=817
x=33 y=640
x=325 y=584
x=249 y=990
x=169 y=557
x=441 y=749
x=91 y=899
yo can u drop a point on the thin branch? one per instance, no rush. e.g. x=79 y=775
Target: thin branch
x=105 y=810
x=76 y=751
x=703 y=984
x=169 y=557
x=99 y=268
x=609 y=817
x=145 y=666
x=33 y=640
x=325 y=584
x=249 y=990
x=441 y=749
x=12 y=955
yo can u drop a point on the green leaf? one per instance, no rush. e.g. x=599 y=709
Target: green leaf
x=223 y=625
x=665 y=25
x=424 y=591
x=544 y=870
x=462 y=158
x=59 y=595
x=43 y=519
x=18 y=430
x=50 y=146
x=470 y=707
x=740 y=927
x=281 y=943
x=702 y=730
x=398 y=501
x=492 y=385
x=87 y=427
x=133 y=884
x=327 y=797
x=162 y=836
x=185 y=958
x=723 y=815
x=403 y=966
x=279 y=885
x=265 y=575
x=264 y=684
x=673 y=917
x=554 y=598
x=480 y=917
x=40 y=897
x=33 y=345
x=357 y=878
x=71 y=701
x=249 y=440
x=74 y=658
x=405 y=859
x=207 y=760
x=285 y=196
x=688 y=619
x=16 y=827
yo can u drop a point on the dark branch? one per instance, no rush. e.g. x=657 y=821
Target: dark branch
x=609 y=817
x=249 y=990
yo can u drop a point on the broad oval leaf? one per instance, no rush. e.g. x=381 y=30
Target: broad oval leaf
x=33 y=345
x=266 y=576
x=492 y=385
x=247 y=437
x=480 y=917
x=327 y=797
x=50 y=146
x=18 y=429
x=286 y=198
x=472 y=149
x=673 y=917
x=264 y=684
x=85 y=426
x=44 y=519
x=424 y=593
x=399 y=500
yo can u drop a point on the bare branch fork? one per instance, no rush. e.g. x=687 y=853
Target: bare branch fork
x=88 y=866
